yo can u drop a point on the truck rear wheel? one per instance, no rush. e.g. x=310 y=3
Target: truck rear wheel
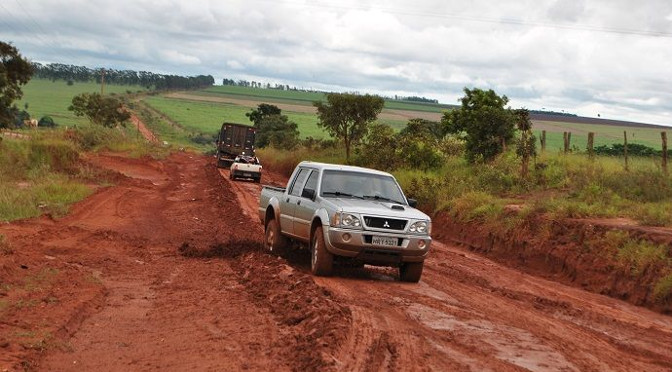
x=321 y=260
x=410 y=271
x=275 y=242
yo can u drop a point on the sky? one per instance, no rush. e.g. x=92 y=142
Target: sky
x=611 y=58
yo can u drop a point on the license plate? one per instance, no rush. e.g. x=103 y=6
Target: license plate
x=382 y=240
x=247 y=174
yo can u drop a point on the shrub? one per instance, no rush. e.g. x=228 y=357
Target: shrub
x=637 y=255
x=46 y=121
x=663 y=289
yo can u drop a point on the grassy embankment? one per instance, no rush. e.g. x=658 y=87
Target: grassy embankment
x=41 y=170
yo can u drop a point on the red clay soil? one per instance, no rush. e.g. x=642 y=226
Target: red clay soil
x=565 y=253
x=165 y=271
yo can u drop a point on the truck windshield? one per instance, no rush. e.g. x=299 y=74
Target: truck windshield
x=337 y=183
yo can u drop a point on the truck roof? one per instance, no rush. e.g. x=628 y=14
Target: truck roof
x=351 y=168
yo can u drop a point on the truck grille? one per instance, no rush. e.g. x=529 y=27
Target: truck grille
x=385 y=223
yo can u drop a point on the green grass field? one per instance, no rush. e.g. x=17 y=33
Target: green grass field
x=207 y=117
x=604 y=135
x=45 y=97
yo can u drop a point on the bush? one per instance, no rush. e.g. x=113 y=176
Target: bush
x=46 y=121
x=204 y=139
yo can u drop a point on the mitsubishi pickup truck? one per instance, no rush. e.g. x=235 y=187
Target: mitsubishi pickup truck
x=346 y=213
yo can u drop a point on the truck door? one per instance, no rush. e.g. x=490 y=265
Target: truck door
x=288 y=203
x=305 y=208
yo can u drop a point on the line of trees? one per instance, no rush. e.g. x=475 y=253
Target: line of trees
x=149 y=80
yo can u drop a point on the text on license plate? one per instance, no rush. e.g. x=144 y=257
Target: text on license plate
x=247 y=174
x=382 y=240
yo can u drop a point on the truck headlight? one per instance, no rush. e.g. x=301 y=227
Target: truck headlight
x=420 y=227
x=346 y=220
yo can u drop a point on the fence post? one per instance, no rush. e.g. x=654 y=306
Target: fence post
x=543 y=140
x=663 y=136
x=625 y=149
x=564 y=141
x=591 y=142
x=569 y=141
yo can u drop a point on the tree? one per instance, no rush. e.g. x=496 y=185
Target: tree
x=527 y=145
x=277 y=131
x=423 y=129
x=484 y=121
x=14 y=72
x=379 y=148
x=346 y=116
x=262 y=111
x=106 y=111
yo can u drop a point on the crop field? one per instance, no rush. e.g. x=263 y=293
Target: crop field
x=307 y=98
x=52 y=98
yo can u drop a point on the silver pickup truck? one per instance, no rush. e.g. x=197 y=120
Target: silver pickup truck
x=345 y=212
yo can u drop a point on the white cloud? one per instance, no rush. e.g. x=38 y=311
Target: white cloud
x=579 y=56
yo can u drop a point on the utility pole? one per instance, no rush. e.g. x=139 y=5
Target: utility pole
x=102 y=82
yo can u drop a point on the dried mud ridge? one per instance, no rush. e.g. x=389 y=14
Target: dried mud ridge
x=166 y=271
x=317 y=320
x=564 y=254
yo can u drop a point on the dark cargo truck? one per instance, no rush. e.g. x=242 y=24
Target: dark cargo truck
x=233 y=140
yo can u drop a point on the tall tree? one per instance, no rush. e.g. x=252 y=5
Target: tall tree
x=262 y=111
x=14 y=72
x=346 y=116
x=483 y=121
x=106 y=111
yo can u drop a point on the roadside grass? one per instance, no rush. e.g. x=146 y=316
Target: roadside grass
x=43 y=174
x=284 y=162
x=663 y=289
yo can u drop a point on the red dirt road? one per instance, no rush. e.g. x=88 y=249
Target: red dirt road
x=165 y=271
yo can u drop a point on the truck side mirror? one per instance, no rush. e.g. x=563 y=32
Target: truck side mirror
x=308 y=193
x=412 y=203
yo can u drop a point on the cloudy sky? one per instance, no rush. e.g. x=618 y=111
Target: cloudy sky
x=609 y=57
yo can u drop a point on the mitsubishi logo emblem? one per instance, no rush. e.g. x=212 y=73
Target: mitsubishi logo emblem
x=386 y=224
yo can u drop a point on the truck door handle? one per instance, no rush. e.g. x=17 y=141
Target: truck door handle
x=298 y=202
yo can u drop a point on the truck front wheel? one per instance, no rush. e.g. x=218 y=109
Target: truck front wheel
x=275 y=241
x=410 y=271
x=321 y=260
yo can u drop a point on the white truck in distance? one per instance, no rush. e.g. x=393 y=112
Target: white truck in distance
x=347 y=213
x=245 y=167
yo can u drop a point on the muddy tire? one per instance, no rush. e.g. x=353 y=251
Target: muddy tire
x=274 y=242
x=221 y=163
x=321 y=260
x=410 y=271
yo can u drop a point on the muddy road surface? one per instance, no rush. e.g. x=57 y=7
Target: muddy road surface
x=165 y=270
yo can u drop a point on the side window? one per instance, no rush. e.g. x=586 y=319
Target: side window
x=298 y=182
x=311 y=183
